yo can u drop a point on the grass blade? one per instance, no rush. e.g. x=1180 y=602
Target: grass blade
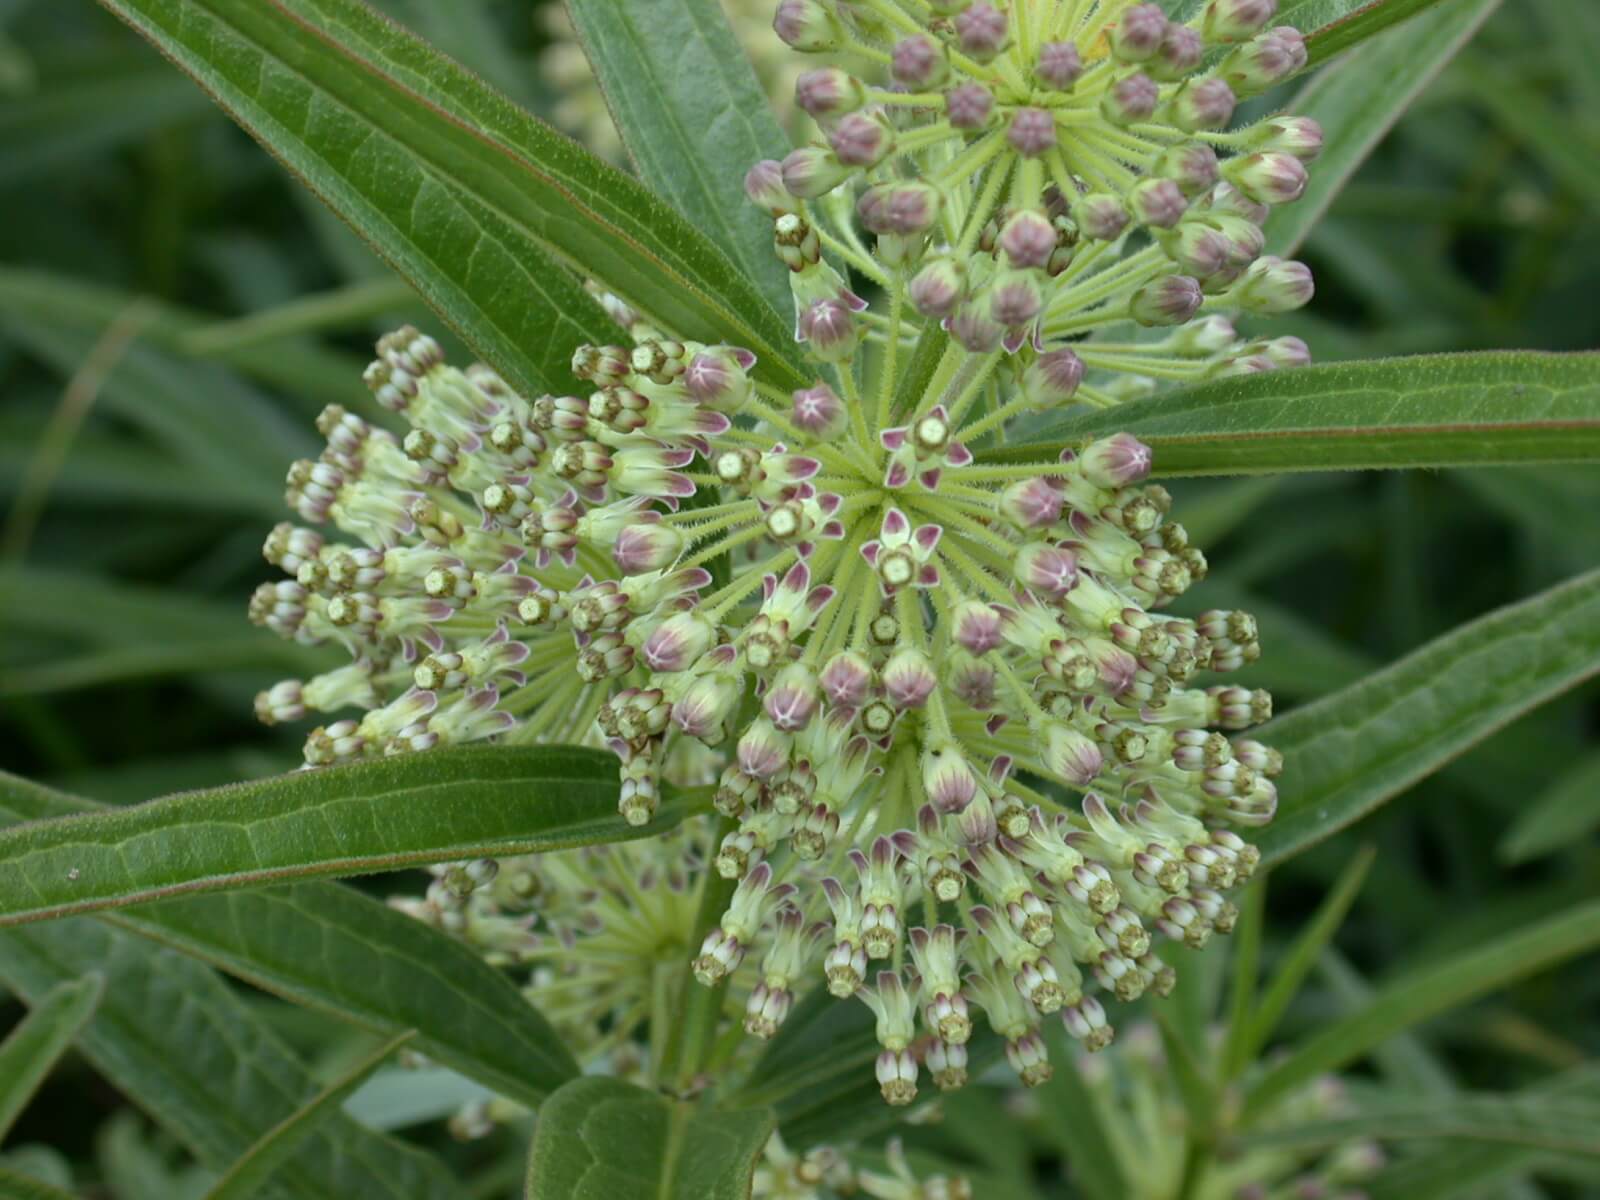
x=42 y=1036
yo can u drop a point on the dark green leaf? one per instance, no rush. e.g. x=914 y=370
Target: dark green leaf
x=32 y=1048
x=693 y=117
x=1074 y=1116
x=332 y=948
x=602 y=1139
x=1334 y=26
x=1563 y=816
x=447 y=804
x=1564 y=1124
x=1348 y=753
x=14 y=1186
x=1431 y=411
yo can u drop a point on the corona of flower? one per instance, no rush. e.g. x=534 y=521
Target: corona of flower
x=969 y=768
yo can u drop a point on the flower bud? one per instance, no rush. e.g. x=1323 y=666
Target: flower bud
x=908 y=679
x=647 y=546
x=1115 y=461
x=1158 y=202
x=847 y=679
x=716 y=378
x=1047 y=570
x=1235 y=20
x=830 y=327
x=1031 y=503
x=828 y=93
x=898 y=208
x=947 y=780
x=763 y=184
x=972 y=329
x=1265 y=60
x=1068 y=754
x=1028 y=239
x=919 y=63
x=1202 y=104
x=981 y=31
x=1137 y=36
x=792 y=698
x=975 y=626
x=1193 y=167
x=1058 y=65
x=936 y=288
x=1014 y=298
x=969 y=106
x=1169 y=301
x=1130 y=100
x=807 y=26
x=1299 y=136
x=819 y=411
x=1100 y=216
x=1053 y=377
x=861 y=139
x=705 y=707
x=1275 y=285
x=1180 y=53
x=812 y=171
x=1270 y=178
x=1032 y=131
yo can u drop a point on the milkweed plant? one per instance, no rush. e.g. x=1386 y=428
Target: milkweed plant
x=789 y=542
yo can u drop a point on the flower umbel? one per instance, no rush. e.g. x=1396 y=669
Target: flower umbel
x=930 y=679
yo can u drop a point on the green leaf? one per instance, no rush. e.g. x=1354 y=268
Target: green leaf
x=1548 y=134
x=1440 y=410
x=1563 y=816
x=463 y=802
x=1350 y=752
x=1075 y=1118
x=329 y=947
x=693 y=117
x=1334 y=26
x=32 y=1048
x=348 y=307
x=602 y=1139
x=14 y=1186
x=178 y=1041
x=1358 y=100
x=464 y=194
x=247 y=1176
x=1566 y=1125
x=1425 y=992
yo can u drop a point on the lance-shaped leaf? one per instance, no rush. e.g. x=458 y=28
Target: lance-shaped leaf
x=464 y=802
x=331 y=947
x=1346 y=754
x=460 y=190
x=179 y=1042
x=32 y=1048
x=16 y=1186
x=1334 y=26
x=1445 y=410
x=602 y=1139
x=693 y=117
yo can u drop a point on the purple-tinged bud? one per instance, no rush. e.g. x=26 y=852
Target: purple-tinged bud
x=1031 y=503
x=1275 y=285
x=1032 y=131
x=763 y=184
x=793 y=698
x=1235 y=20
x=706 y=705
x=973 y=681
x=972 y=329
x=1299 y=136
x=1115 y=461
x=1100 y=216
x=1014 y=298
x=908 y=679
x=1180 y=52
x=898 y=208
x=1053 y=377
x=1203 y=338
x=647 y=546
x=948 y=781
x=975 y=626
x=1130 y=100
x=1286 y=352
x=1198 y=249
x=819 y=412
x=812 y=171
x=1047 y=570
x=1158 y=202
x=763 y=749
x=847 y=680
x=1270 y=178
x=1202 y=104
x=936 y=288
x=1138 y=35
x=1192 y=167
x=1028 y=239
x=830 y=328
x=1265 y=60
x=969 y=106
x=676 y=643
x=807 y=26
x=827 y=93
x=716 y=378
x=862 y=139
x=1067 y=754
x=919 y=62
x=981 y=31
x=1059 y=65
x=1228 y=201
x=1169 y=301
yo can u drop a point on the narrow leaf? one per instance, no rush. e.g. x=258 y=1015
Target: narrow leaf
x=1329 y=37
x=1567 y=1125
x=42 y=1036
x=465 y=802
x=1075 y=1117
x=178 y=1041
x=1358 y=100
x=1564 y=816
x=1430 y=411
x=247 y=1176
x=15 y=1186
x=693 y=117
x=1348 y=753
x=602 y=1139
x=1425 y=992
x=330 y=947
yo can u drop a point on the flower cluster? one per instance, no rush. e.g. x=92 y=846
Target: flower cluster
x=966 y=761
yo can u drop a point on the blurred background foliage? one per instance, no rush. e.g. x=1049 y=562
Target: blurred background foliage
x=174 y=310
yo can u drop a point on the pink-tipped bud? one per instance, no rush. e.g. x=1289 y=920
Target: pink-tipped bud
x=1275 y=285
x=975 y=626
x=861 y=139
x=1157 y=202
x=969 y=106
x=909 y=679
x=1169 y=301
x=847 y=679
x=918 y=62
x=948 y=781
x=763 y=184
x=1203 y=104
x=1032 y=131
x=1130 y=100
x=1265 y=60
x=1028 y=239
x=1115 y=461
x=1046 y=570
x=1032 y=503
x=677 y=642
x=1100 y=216
x=717 y=378
x=819 y=411
x=706 y=705
x=812 y=171
x=936 y=288
x=1058 y=66
x=1180 y=52
x=830 y=327
x=1192 y=167
x=1014 y=298
x=1235 y=20
x=981 y=31
x=1269 y=178
x=901 y=209
x=647 y=547
x=972 y=329
x=1070 y=756
x=1138 y=35
x=828 y=93
x=1299 y=136
x=793 y=698
x=807 y=26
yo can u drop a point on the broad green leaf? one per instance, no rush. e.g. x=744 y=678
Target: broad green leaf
x=15 y=1186
x=1359 y=99
x=693 y=117
x=1567 y=1124
x=1301 y=957
x=1346 y=754
x=1425 y=992
x=330 y=947
x=602 y=1139
x=466 y=195
x=261 y=1162
x=1074 y=1117
x=1564 y=816
x=32 y=1048
x=403 y=1096
x=1430 y=411
x=1334 y=26
x=179 y=1042
x=462 y=802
